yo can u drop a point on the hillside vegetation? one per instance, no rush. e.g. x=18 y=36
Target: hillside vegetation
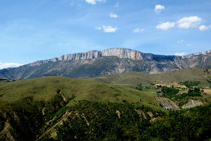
x=96 y=121
x=45 y=88
x=167 y=78
x=27 y=105
x=59 y=108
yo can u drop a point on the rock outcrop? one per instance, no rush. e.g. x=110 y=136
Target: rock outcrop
x=192 y=103
x=118 y=52
x=167 y=103
x=180 y=61
x=170 y=105
x=81 y=56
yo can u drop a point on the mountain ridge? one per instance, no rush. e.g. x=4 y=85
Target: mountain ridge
x=116 y=51
x=107 y=62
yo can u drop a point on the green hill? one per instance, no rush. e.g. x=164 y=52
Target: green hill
x=26 y=106
x=45 y=88
x=59 y=108
x=168 y=78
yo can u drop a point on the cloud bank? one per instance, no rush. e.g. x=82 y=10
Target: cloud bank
x=9 y=65
x=185 y=23
x=188 y=22
x=165 y=26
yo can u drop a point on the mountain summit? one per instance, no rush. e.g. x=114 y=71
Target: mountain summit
x=106 y=62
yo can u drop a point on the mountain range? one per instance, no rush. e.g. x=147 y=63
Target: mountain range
x=126 y=106
x=107 y=62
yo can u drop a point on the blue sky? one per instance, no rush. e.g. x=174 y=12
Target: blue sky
x=32 y=30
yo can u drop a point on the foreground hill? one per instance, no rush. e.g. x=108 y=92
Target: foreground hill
x=58 y=108
x=26 y=106
x=106 y=62
x=46 y=88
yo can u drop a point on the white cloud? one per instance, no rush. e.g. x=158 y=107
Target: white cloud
x=8 y=65
x=109 y=29
x=180 y=53
x=181 y=41
x=98 y=28
x=189 y=45
x=203 y=28
x=93 y=2
x=188 y=22
x=116 y=5
x=159 y=8
x=112 y=15
x=165 y=26
x=137 y=30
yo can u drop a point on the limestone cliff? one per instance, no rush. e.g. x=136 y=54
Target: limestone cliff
x=119 y=52
x=180 y=61
x=106 y=62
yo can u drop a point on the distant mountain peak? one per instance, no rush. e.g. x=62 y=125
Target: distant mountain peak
x=116 y=51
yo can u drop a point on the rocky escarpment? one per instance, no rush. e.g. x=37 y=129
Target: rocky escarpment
x=123 y=53
x=167 y=103
x=106 y=62
x=170 y=105
x=192 y=103
x=197 y=60
x=195 y=54
x=118 y=52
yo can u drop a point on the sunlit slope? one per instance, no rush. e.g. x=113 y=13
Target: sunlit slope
x=134 y=78
x=46 y=88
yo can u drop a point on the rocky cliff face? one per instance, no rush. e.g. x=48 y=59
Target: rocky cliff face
x=118 y=52
x=106 y=62
x=123 y=53
x=81 y=56
x=196 y=54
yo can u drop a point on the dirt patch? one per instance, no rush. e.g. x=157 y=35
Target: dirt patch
x=150 y=114
x=141 y=113
x=207 y=91
x=155 y=119
x=118 y=113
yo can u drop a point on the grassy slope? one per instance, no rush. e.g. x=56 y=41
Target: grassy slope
x=134 y=78
x=46 y=88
